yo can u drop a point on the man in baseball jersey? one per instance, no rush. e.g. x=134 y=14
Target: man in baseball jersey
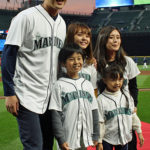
x=29 y=69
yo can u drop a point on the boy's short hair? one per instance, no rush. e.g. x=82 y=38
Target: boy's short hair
x=68 y=50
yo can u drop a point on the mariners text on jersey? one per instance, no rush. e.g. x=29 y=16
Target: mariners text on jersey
x=43 y=42
x=68 y=97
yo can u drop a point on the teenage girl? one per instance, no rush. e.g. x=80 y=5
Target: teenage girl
x=80 y=34
x=108 y=51
x=73 y=104
x=117 y=116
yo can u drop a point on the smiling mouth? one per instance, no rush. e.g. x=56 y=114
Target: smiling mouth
x=59 y=0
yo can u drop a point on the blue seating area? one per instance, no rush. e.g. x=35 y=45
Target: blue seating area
x=126 y=21
x=144 y=22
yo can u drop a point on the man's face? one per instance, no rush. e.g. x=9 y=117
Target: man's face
x=56 y=4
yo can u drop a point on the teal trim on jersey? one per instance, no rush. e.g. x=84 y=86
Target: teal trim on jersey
x=125 y=82
x=115 y=112
x=85 y=76
x=75 y=95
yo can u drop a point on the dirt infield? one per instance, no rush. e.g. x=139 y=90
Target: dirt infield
x=145 y=73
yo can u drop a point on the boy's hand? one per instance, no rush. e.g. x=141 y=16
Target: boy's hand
x=141 y=139
x=65 y=146
x=100 y=146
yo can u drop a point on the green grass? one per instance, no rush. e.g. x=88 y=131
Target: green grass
x=145 y=69
x=143 y=81
x=144 y=106
x=9 y=136
x=1 y=89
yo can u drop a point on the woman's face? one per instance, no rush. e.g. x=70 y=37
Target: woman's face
x=82 y=39
x=114 y=41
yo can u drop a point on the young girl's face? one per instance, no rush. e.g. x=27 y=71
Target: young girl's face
x=114 y=41
x=82 y=38
x=73 y=65
x=113 y=85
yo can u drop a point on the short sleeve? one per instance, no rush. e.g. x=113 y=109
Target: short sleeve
x=94 y=77
x=100 y=109
x=18 y=30
x=56 y=101
x=90 y=89
x=131 y=68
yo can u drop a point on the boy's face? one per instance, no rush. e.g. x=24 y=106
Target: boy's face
x=113 y=85
x=82 y=39
x=73 y=65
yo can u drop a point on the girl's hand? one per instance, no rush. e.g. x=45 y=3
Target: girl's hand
x=65 y=146
x=135 y=109
x=100 y=146
x=141 y=139
x=95 y=63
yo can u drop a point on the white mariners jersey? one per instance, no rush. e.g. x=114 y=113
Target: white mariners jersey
x=116 y=113
x=39 y=38
x=89 y=73
x=76 y=100
x=131 y=71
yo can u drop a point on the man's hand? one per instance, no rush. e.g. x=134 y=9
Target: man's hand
x=12 y=105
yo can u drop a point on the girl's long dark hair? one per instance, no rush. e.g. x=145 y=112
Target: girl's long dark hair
x=100 y=51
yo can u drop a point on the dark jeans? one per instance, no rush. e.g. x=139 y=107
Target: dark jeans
x=33 y=128
x=46 y=126
x=107 y=146
x=133 y=144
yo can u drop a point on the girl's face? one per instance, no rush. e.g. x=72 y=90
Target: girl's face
x=73 y=65
x=113 y=85
x=82 y=39
x=114 y=41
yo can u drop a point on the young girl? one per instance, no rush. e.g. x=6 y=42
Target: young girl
x=73 y=104
x=117 y=116
x=80 y=34
x=109 y=51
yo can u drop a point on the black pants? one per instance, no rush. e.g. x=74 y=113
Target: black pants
x=133 y=144
x=107 y=146
x=35 y=130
